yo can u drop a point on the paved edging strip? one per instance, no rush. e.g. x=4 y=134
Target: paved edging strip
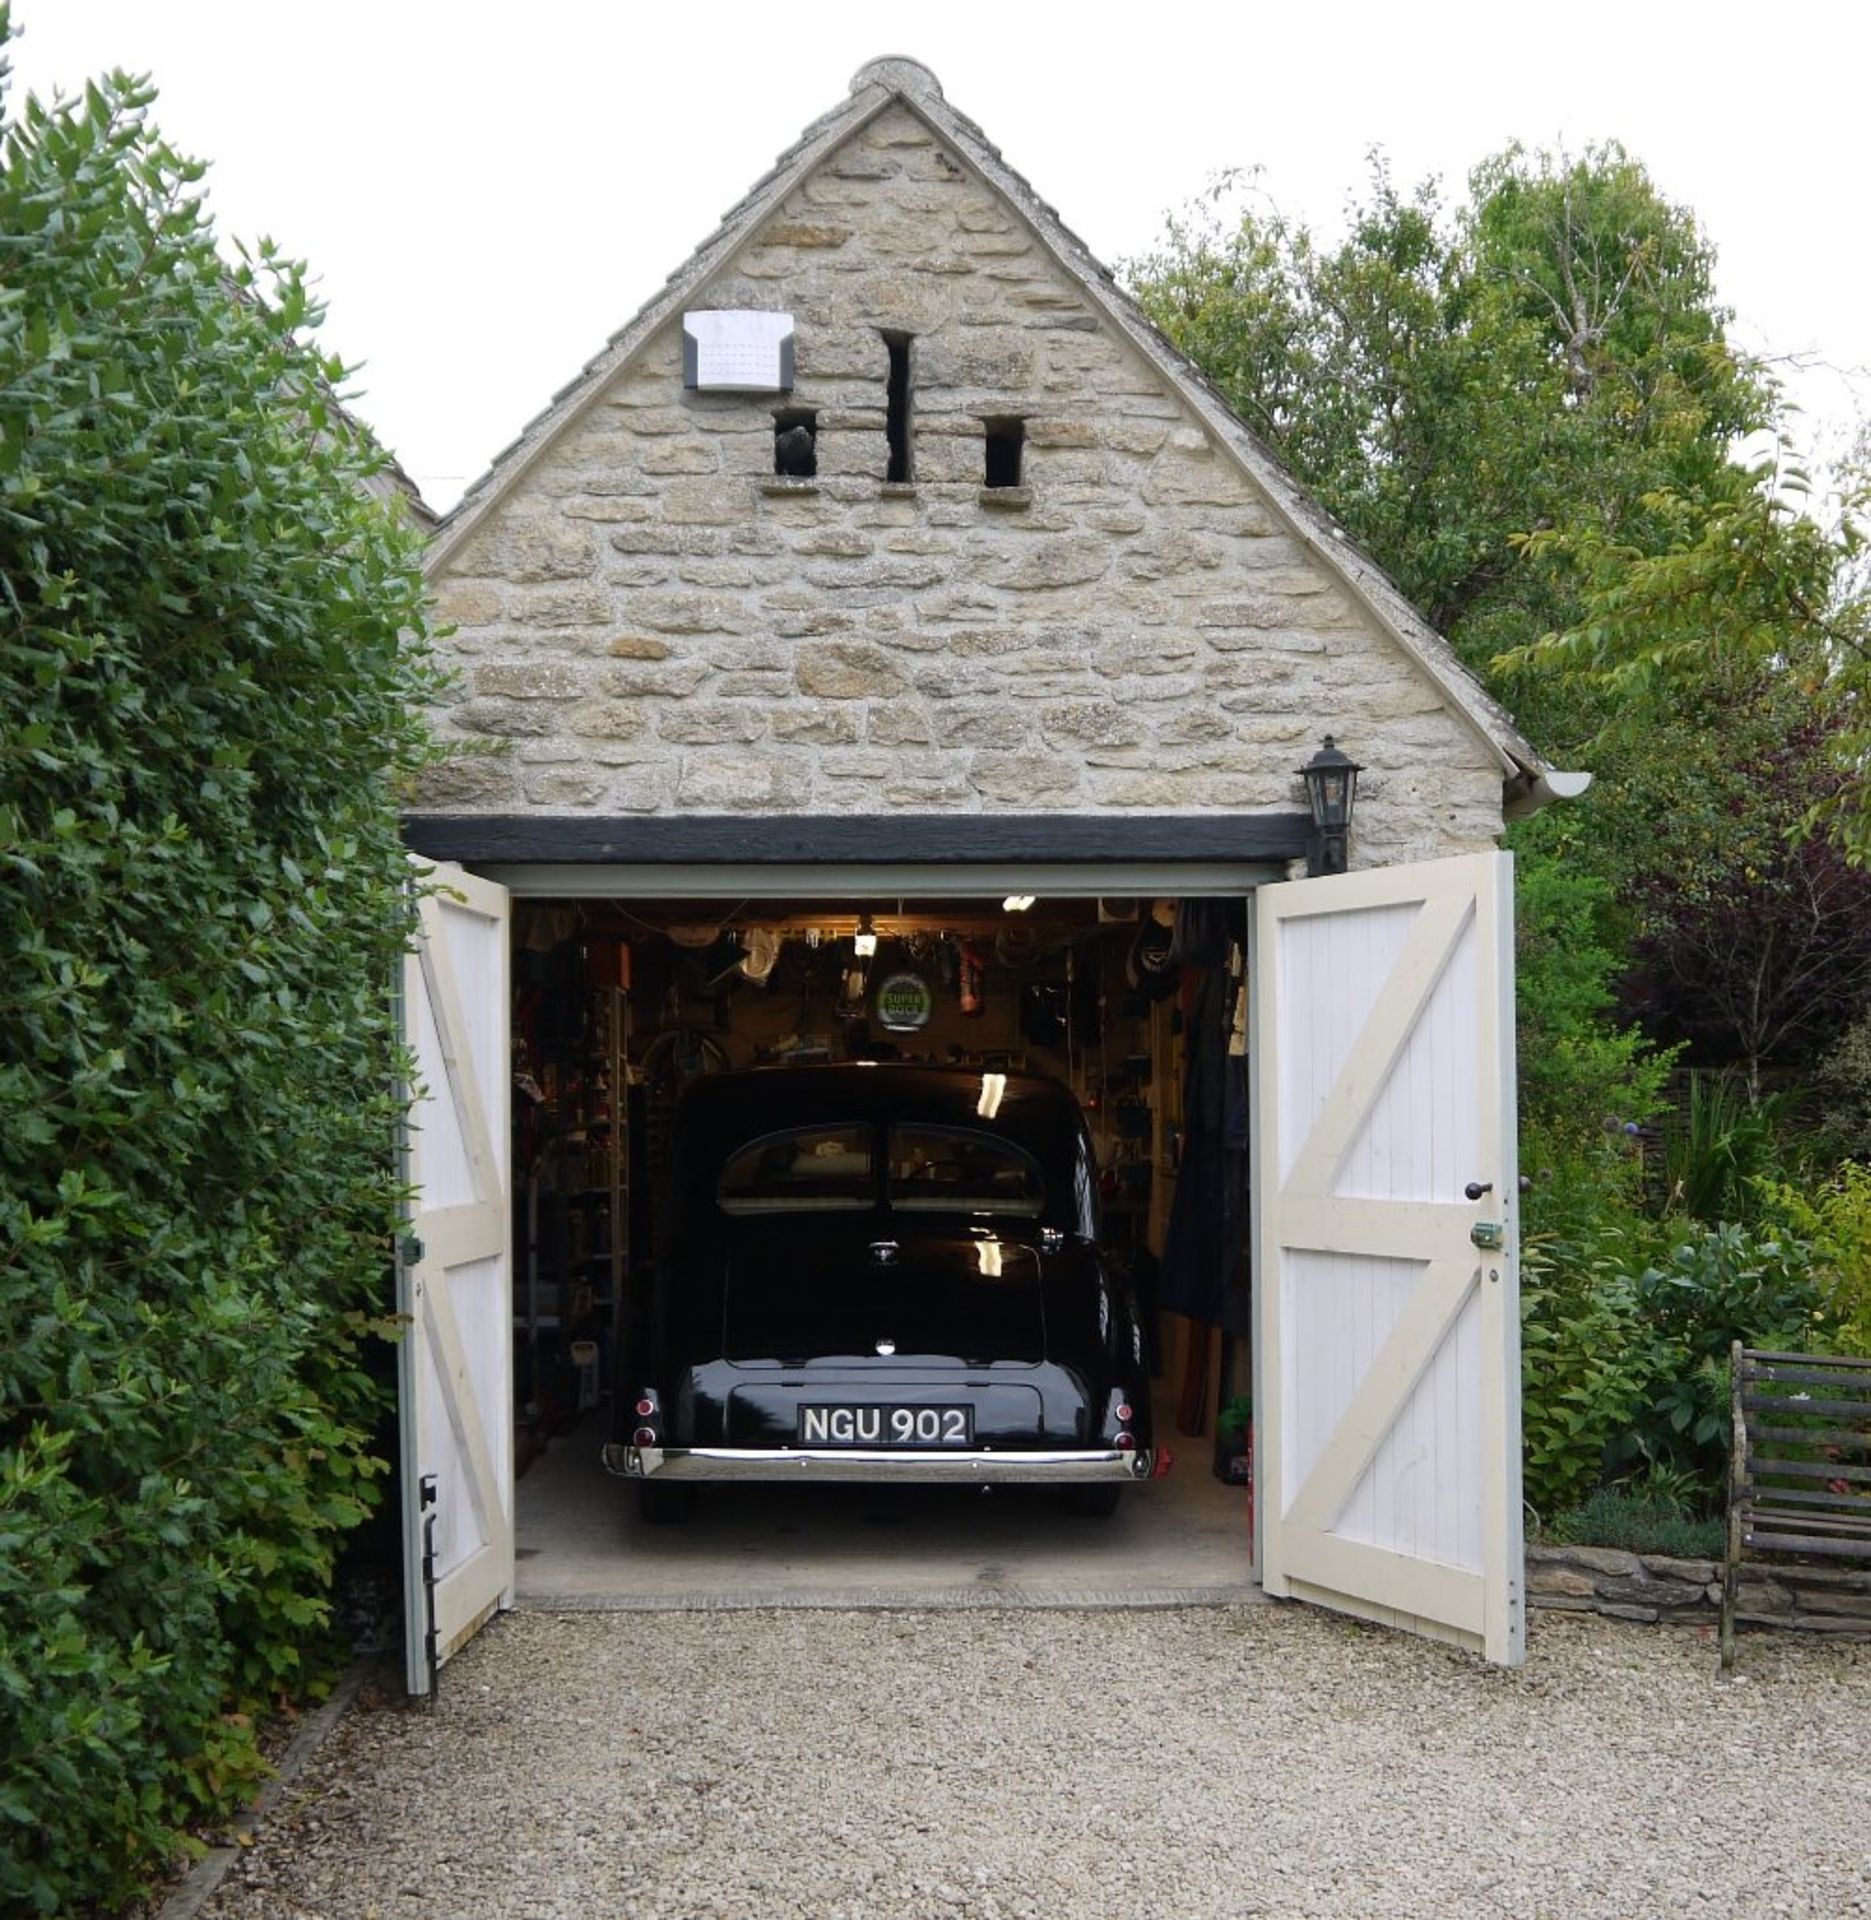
x=205 y=1877
x=887 y=1600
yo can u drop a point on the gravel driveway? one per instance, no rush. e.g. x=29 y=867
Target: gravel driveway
x=1254 y=1761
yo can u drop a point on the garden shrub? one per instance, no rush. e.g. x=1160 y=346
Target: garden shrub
x=1583 y=1078
x=1625 y=1344
x=1718 y=1144
x=1835 y=1220
x=1718 y=1285
x=1842 y=1085
x=1641 y=1520
x=210 y=660
x=1588 y=1362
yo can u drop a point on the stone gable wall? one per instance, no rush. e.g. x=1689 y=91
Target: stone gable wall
x=651 y=622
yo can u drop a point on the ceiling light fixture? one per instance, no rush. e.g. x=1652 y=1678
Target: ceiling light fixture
x=1018 y=902
x=864 y=941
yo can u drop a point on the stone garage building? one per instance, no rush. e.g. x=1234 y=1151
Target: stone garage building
x=890 y=550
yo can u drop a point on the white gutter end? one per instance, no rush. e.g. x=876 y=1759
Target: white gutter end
x=1543 y=790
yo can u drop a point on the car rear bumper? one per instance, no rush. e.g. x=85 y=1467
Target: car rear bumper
x=974 y=1467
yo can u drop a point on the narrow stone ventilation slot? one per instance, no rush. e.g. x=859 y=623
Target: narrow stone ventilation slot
x=796 y=443
x=897 y=409
x=1005 y=439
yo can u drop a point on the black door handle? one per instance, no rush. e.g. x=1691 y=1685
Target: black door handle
x=1476 y=1188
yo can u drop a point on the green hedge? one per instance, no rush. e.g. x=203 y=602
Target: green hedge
x=211 y=656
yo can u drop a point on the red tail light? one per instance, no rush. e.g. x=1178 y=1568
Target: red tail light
x=1123 y=1411
x=643 y=1437
x=1126 y=1443
x=645 y=1407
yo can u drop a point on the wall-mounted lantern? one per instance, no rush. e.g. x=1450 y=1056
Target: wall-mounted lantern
x=1331 y=781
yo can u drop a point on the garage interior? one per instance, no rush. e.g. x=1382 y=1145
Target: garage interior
x=1139 y=1005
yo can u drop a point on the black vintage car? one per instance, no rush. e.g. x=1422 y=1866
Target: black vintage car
x=881 y=1272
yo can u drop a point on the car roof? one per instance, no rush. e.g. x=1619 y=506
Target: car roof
x=728 y=1108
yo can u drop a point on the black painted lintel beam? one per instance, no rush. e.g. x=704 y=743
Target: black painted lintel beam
x=848 y=840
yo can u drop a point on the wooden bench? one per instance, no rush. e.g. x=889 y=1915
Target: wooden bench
x=1800 y=1471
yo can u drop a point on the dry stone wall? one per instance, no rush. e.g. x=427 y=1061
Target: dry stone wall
x=1653 y=1587
x=650 y=621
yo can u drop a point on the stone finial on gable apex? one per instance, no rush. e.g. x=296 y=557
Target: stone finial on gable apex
x=898 y=75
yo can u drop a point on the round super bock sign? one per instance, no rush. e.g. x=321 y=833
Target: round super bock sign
x=904 y=1002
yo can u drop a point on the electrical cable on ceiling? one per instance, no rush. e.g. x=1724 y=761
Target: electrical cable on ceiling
x=650 y=926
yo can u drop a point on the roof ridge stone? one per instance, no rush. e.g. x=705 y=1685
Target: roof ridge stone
x=897 y=73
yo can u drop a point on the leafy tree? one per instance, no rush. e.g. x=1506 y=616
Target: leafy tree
x=1753 y=942
x=1584 y=1079
x=1711 y=570
x=1449 y=382
x=1743 y=585
x=1360 y=366
x=211 y=658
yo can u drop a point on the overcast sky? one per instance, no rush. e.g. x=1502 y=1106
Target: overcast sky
x=487 y=192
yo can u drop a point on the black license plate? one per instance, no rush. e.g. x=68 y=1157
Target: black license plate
x=886 y=1426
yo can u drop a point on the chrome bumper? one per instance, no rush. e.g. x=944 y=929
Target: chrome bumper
x=974 y=1468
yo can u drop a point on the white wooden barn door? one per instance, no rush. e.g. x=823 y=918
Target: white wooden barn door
x=455 y=1275
x=1387 y=1338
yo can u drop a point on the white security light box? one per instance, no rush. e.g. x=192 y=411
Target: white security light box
x=737 y=350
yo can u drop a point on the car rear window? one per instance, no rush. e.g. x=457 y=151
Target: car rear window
x=803 y=1170
x=959 y=1170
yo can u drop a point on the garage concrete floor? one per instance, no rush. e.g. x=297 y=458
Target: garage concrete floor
x=1179 y=1541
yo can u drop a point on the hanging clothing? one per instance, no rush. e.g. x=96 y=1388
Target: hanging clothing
x=1208 y=930
x=1205 y=1249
